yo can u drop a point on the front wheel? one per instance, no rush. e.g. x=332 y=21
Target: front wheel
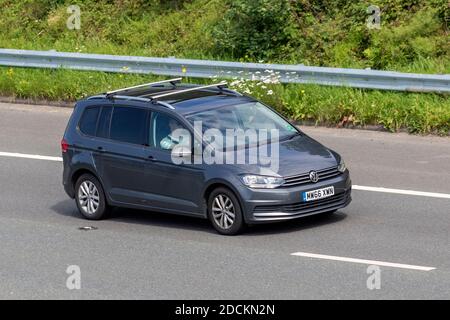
x=225 y=212
x=90 y=198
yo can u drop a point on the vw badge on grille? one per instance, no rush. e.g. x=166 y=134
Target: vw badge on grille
x=313 y=176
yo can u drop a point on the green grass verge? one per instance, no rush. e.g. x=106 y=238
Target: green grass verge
x=413 y=38
x=322 y=105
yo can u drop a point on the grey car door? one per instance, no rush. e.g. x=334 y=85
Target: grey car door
x=171 y=186
x=123 y=158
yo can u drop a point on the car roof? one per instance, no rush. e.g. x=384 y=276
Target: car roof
x=185 y=102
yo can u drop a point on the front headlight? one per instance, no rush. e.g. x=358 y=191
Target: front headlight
x=341 y=166
x=263 y=182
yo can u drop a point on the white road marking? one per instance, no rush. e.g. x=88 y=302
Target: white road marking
x=400 y=191
x=355 y=187
x=363 y=261
x=29 y=156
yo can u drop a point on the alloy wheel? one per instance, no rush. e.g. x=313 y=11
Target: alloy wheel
x=88 y=197
x=223 y=211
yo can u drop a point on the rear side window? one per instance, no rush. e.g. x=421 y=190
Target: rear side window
x=103 y=122
x=129 y=125
x=88 y=122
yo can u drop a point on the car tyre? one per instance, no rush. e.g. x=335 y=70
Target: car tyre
x=224 y=212
x=90 y=198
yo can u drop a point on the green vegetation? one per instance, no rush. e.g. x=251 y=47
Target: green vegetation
x=413 y=38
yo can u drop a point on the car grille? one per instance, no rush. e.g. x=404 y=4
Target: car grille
x=303 y=178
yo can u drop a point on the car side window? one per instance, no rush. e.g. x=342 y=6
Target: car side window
x=128 y=124
x=165 y=133
x=88 y=122
x=103 y=122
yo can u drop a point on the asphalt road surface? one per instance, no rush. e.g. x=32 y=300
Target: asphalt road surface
x=146 y=255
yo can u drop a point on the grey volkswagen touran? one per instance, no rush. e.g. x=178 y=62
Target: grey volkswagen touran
x=202 y=151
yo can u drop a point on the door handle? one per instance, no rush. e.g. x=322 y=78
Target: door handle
x=152 y=159
x=101 y=149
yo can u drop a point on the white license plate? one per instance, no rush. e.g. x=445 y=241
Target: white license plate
x=317 y=194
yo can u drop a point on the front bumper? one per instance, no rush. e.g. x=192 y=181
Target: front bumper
x=270 y=205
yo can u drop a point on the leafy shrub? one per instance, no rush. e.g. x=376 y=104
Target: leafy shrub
x=255 y=28
x=406 y=43
x=413 y=38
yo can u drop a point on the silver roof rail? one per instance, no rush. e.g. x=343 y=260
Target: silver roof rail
x=172 y=81
x=172 y=93
x=131 y=98
x=120 y=97
x=165 y=104
x=162 y=103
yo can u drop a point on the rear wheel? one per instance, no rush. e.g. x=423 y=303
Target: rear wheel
x=90 y=198
x=225 y=212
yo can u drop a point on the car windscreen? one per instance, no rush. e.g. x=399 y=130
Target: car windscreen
x=247 y=117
